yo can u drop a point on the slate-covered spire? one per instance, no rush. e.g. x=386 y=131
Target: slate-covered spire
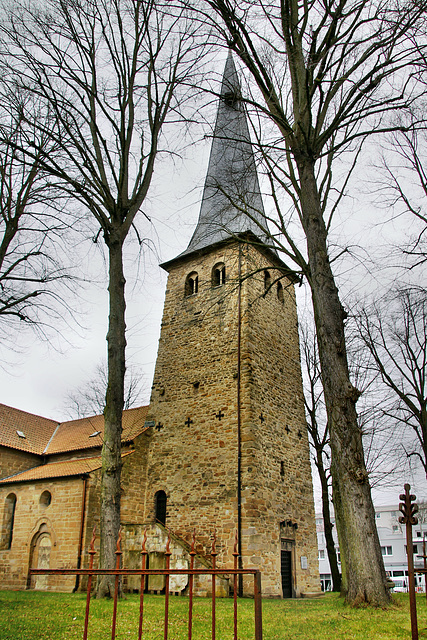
x=231 y=186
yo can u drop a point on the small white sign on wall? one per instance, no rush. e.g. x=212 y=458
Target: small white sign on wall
x=304 y=563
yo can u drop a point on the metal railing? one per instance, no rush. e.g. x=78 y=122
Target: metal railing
x=144 y=572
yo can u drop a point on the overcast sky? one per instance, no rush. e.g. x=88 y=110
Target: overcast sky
x=37 y=376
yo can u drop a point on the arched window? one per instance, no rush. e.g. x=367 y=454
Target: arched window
x=45 y=499
x=267 y=281
x=160 y=500
x=280 y=294
x=8 y=519
x=218 y=275
x=192 y=283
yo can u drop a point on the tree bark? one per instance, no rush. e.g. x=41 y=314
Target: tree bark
x=327 y=525
x=363 y=574
x=114 y=402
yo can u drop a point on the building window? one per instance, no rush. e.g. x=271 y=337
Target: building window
x=321 y=554
x=267 y=281
x=395 y=528
x=377 y=515
x=414 y=549
x=192 y=283
x=280 y=295
x=45 y=499
x=387 y=551
x=419 y=534
x=8 y=520
x=218 y=275
x=160 y=500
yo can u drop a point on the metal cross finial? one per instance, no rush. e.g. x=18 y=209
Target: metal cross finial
x=219 y=415
x=408 y=508
x=188 y=422
x=159 y=426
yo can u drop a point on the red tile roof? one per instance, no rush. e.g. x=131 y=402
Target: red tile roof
x=58 y=470
x=80 y=434
x=36 y=430
x=44 y=436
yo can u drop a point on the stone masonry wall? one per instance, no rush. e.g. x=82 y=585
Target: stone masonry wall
x=12 y=461
x=193 y=453
x=276 y=471
x=57 y=523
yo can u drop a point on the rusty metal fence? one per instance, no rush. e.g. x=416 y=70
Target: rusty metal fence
x=144 y=572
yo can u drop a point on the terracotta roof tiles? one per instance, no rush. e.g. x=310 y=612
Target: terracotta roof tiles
x=63 y=469
x=88 y=432
x=41 y=436
x=35 y=431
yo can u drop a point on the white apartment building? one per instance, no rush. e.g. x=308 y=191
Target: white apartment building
x=392 y=537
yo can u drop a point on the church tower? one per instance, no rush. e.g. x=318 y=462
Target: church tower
x=229 y=449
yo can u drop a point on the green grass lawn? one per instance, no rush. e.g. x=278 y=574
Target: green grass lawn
x=30 y=615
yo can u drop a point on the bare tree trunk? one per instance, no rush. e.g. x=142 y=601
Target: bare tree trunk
x=362 y=581
x=328 y=526
x=114 y=401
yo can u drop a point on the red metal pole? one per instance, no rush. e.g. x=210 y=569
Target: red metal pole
x=213 y=554
x=408 y=510
x=168 y=555
x=89 y=582
x=116 y=587
x=190 y=587
x=258 y=606
x=142 y=585
x=425 y=563
x=236 y=555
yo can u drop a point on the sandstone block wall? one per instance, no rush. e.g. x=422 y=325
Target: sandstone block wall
x=54 y=526
x=12 y=461
x=276 y=466
x=193 y=453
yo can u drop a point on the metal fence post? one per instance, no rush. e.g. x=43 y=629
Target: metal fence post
x=408 y=518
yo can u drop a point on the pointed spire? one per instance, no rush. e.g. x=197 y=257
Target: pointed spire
x=231 y=186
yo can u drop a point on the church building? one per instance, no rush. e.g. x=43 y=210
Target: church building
x=223 y=444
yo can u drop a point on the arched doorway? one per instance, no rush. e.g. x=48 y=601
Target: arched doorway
x=41 y=546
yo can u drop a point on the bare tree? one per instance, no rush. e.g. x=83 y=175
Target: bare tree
x=89 y=398
x=33 y=278
x=113 y=73
x=317 y=426
x=379 y=440
x=327 y=73
x=400 y=186
x=397 y=341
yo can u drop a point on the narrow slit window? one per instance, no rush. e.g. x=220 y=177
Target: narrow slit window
x=160 y=501
x=280 y=294
x=8 y=521
x=267 y=281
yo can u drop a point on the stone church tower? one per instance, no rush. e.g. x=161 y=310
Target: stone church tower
x=229 y=451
